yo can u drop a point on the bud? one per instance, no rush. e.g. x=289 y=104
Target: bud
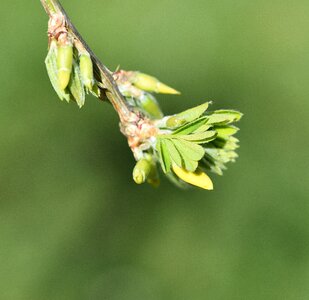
x=86 y=70
x=142 y=170
x=150 y=105
x=76 y=86
x=151 y=84
x=197 y=178
x=64 y=64
x=52 y=70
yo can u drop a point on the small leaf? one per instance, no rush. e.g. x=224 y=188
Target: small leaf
x=203 y=128
x=190 y=127
x=226 y=131
x=179 y=156
x=173 y=152
x=187 y=115
x=224 y=117
x=165 y=159
x=189 y=165
x=200 y=138
x=192 y=151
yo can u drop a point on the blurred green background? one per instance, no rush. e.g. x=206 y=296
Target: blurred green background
x=73 y=225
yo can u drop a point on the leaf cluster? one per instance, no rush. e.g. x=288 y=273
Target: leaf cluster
x=199 y=140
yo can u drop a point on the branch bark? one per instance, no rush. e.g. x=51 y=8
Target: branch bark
x=102 y=73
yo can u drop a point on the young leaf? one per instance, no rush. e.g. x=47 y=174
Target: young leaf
x=165 y=159
x=200 y=138
x=189 y=164
x=203 y=128
x=226 y=131
x=187 y=115
x=190 y=127
x=173 y=152
x=224 y=117
x=192 y=151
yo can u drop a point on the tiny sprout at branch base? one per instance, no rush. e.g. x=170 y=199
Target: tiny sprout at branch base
x=185 y=146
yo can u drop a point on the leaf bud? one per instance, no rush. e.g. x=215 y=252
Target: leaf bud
x=142 y=170
x=150 y=105
x=64 y=64
x=86 y=70
x=151 y=84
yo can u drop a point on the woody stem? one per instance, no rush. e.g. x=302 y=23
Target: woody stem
x=101 y=72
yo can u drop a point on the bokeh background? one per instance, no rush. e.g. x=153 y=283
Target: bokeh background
x=73 y=225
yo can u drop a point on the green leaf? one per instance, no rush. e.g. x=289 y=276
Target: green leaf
x=200 y=138
x=189 y=165
x=226 y=131
x=203 y=128
x=52 y=70
x=190 y=127
x=224 y=117
x=179 y=156
x=165 y=159
x=76 y=86
x=193 y=113
x=174 y=154
x=190 y=150
x=187 y=115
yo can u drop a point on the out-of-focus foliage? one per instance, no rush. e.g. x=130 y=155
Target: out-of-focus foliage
x=72 y=225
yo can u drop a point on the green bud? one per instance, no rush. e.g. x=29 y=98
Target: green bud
x=151 y=84
x=64 y=65
x=52 y=70
x=86 y=70
x=150 y=105
x=142 y=170
x=76 y=86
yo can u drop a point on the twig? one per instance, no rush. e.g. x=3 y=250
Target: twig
x=101 y=72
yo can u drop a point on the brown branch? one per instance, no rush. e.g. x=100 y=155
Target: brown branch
x=102 y=73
